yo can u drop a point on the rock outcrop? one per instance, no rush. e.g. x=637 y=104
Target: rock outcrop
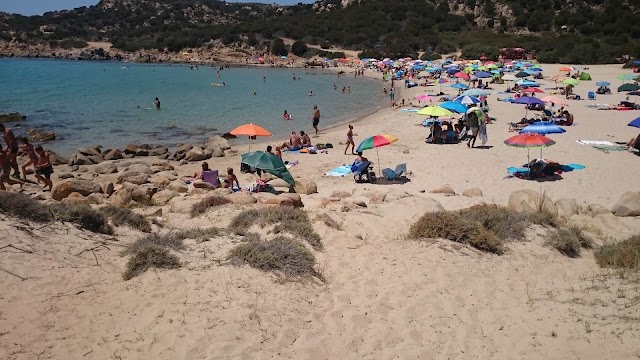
x=83 y=187
x=627 y=205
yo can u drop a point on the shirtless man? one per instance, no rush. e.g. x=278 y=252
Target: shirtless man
x=5 y=172
x=304 y=139
x=157 y=102
x=28 y=149
x=294 y=142
x=44 y=168
x=350 y=141
x=316 y=118
x=230 y=179
x=12 y=149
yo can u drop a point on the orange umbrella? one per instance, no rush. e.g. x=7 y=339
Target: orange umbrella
x=250 y=130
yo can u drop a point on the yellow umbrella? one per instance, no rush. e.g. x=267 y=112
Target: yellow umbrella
x=435 y=111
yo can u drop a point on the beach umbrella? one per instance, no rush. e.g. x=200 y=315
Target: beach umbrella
x=522 y=74
x=251 y=130
x=456 y=107
x=466 y=99
x=559 y=78
x=424 y=97
x=603 y=83
x=566 y=68
x=635 y=123
x=529 y=140
x=375 y=142
x=634 y=93
x=571 y=81
x=461 y=75
x=628 y=87
x=268 y=163
x=435 y=111
x=460 y=86
x=532 y=90
x=475 y=92
x=625 y=77
x=527 y=100
x=527 y=83
x=543 y=128
x=555 y=100
x=482 y=74
x=509 y=77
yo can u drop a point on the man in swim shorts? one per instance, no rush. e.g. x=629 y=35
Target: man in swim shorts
x=294 y=142
x=316 y=118
x=12 y=149
x=44 y=169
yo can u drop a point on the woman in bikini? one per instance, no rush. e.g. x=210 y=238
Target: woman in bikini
x=350 y=141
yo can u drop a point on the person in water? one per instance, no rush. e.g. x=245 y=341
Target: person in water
x=157 y=102
x=311 y=93
x=286 y=116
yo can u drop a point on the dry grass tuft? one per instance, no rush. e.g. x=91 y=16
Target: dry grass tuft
x=328 y=220
x=504 y=223
x=624 y=254
x=544 y=218
x=121 y=216
x=452 y=226
x=200 y=234
x=207 y=203
x=23 y=207
x=168 y=240
x=84 y=216
x=281 y=255
x=150 y=256
x=569 y=241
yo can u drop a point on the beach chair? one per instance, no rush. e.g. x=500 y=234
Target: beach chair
x=591 y=95
x=361 y=172
x=399 y=171
x=211 y=177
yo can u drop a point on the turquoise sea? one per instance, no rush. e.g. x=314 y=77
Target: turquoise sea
x=111 y=103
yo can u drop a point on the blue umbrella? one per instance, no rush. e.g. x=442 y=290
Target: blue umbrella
x=466 y=99
x=528 y=100
x=454 y=106
x=475 y=92
x=460 y=86
x=603 y=83
x=482 y=74
x=635 y=123
x=452 y=70
x=543 y=128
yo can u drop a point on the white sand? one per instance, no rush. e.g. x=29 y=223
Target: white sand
x=385 y=297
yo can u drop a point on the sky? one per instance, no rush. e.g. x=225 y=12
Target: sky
x=38 y=7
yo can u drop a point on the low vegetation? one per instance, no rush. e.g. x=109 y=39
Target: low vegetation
x=622 y=255
x=569 y=241
x=24 y=207
x=287 y=219
x=280 y=255
x=84 y=216
x=504 y=223
x=120 y=216
x=205 y=204
x=150 y=256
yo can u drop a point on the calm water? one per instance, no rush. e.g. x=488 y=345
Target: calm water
x=111 y=103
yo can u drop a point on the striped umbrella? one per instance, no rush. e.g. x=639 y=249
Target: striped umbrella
x=376 y=141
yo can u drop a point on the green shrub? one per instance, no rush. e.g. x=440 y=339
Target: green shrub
x=24 y=207
x=202 y=206
x=504 y=223
x=281 y=255
x=569 y=241
x=121 y=216
x=169 y=240
x=84 y=216
x=150 y=256
x=452 y=226
x=624 y=254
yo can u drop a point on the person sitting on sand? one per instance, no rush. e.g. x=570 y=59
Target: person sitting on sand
x=44 y=169
x=28 y=149
x=305 y=140
x=279 y=152
x=568 y=119
x=361 y=158
x=230 y=179
x=634 y=143
x=294 y=142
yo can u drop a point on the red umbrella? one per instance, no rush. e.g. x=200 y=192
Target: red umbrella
x=461 y=75
x=529 y=140
x=532 y=90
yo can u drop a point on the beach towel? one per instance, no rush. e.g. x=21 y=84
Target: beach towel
x=410 y=110
x=595 y=142
x=289 y=165
x=340 y=171
x=571 y=167
x=297 y=151
x=605 y=146
x=513 y=170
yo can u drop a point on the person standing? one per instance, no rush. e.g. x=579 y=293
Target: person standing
x=350 y=141
x=157 y=103
x=316 y=118
x=12 y=149
x=44 y=169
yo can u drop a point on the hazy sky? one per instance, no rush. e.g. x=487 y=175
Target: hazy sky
x=38 y=7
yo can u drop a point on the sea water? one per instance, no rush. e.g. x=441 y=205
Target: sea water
x=111 y=103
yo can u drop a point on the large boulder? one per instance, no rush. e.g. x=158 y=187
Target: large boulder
x=163 y=197
x=122 y=196
x=285 y=199
x=161 y=166
x=627 y=205
x=567 y=207
x=131 y=149
x=57 y=159
x=96 y=159
x=140 y=168
x=133 y=177
x=11 y=117
x=216 y=151
x=41 y=136
x=241 y=198
x=113 y=154
x=531 y=201
x=83 y=187
x=90 y=151
x=199 y=184
x=178 y=186
x=159 y=151
x=107 y=188
x=218 y=141
x=105 y=168
x=161 y=182
x=279 y=183
x=75 y=199
x=472 y=192
x=183 y=205
x=79 y=159
x=196 y=154
x=306 y=187
x=445 y=190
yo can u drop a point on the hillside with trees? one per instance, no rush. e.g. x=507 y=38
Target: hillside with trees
x=580 y=31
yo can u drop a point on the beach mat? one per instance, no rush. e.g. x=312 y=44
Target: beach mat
x=605 y=146
x=410 y=110
x=564 y=168
x=340 y=171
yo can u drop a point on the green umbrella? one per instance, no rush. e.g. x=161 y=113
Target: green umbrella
x=628 y=87
x=571 y=81
x=625 y=77
x=268 y=163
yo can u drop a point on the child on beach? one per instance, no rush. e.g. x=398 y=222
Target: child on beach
x=28 y=149
x=230 y=179
x=44 y=168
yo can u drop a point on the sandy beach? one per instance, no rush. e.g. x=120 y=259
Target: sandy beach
x=385 y=297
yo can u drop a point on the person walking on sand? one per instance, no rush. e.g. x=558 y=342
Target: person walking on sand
x=12 y=149
x=5 y=171
x=350 y=141
x=28 y=149
x=44 y=169
x=316 y=118
x=157 y=103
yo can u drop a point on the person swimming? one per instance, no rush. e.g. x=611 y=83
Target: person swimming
x=287 y=116
x=311 y=93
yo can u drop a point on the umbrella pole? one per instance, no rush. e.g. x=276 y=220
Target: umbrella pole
x=378 y=157
x=528 y=162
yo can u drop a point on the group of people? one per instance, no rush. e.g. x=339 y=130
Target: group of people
x=38 y=158
x=296 y=142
